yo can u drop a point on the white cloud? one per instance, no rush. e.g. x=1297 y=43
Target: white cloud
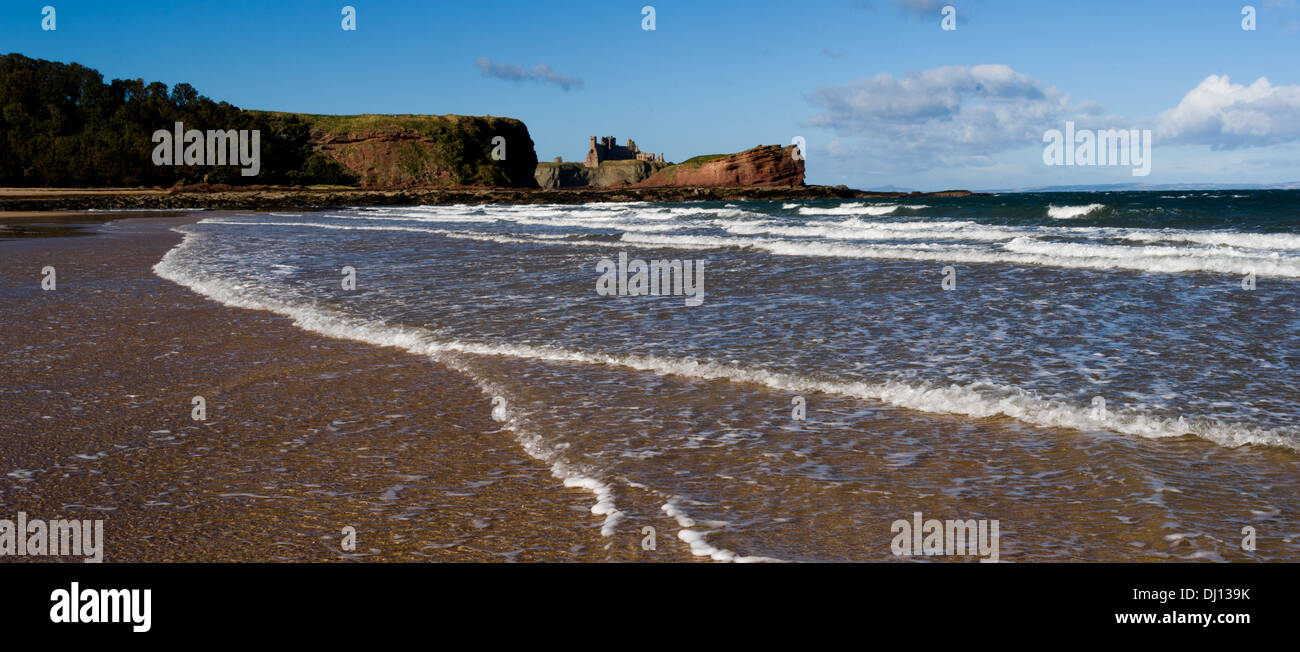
x=1225 y=115
x=953 y=115
x=963 y=117
x=540 y=73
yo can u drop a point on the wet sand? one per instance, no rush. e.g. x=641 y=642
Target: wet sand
x=304 y=435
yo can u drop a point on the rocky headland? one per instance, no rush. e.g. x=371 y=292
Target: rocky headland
x=762 y=166
x=409 y=151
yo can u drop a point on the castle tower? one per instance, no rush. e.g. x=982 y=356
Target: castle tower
x=606 y=148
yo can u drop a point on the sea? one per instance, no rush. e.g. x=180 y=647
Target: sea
x=1107 y=375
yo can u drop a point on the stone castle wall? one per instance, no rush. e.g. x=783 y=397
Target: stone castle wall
x=608 y=149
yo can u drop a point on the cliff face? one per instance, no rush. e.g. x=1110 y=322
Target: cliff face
x=407 y=151
x=562 y=175
x=766 y=165
x=608 y=174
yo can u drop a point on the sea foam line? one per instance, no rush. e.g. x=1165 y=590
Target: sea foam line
x=1020 y=250
x=536 y=448
x=700 y=547
x=852 y=228
x=977 y=400
x=339 y=326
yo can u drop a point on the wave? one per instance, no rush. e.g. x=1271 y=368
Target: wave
x=1269 y=241
x=536 y=448
x=851 y=209
x=976 y=400
x=1015 y=249
x=1019 y=251
x=700 y=547
x=631 y=217
x=1071 y=212
x=857 y=229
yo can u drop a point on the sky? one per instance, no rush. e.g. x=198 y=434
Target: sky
x=881 y=94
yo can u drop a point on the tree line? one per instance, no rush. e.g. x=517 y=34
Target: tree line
x=62 y=126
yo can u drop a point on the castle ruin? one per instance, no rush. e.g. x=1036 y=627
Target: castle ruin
x=608 y=149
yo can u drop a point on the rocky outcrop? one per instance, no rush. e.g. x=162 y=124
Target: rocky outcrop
x=409 y=151
x=766 y=165
x=608 y=174
x=563 y=175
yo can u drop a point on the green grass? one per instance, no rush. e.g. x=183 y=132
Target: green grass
x=346 y=124
x=458 y=148
x=697 y=161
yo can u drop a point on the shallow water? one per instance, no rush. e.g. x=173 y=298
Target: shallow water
x=1089 y=370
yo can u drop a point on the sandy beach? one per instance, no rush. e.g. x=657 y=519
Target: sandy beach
x=304 y=435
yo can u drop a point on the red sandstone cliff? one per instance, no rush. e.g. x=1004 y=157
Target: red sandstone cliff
x=411 y=151
x=766 y=165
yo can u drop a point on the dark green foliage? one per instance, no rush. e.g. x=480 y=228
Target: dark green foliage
x=61 y=125
x=453 y=150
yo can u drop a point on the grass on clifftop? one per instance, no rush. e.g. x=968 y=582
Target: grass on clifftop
x=670 y=172
x=458 y=149
x=697 y=161
x=428 y=125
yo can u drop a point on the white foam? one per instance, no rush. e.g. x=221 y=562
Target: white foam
x=337 y=227
x=720 y=212
x=978 y=400
x=700 y=547
x=1269 y=241
x=856 y=208
x=1018 y=246
x=857 y=229
x=325 y=322
x=1164 y=259
x=1071 y=212
x=1020 y=251
x=532 y=443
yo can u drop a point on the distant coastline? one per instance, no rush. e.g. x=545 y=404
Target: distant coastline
x=269 y=198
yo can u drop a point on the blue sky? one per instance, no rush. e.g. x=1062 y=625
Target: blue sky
x=881 y=94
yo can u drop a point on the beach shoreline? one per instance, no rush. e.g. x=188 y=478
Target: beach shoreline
x=304 y=435
x=396 y=430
